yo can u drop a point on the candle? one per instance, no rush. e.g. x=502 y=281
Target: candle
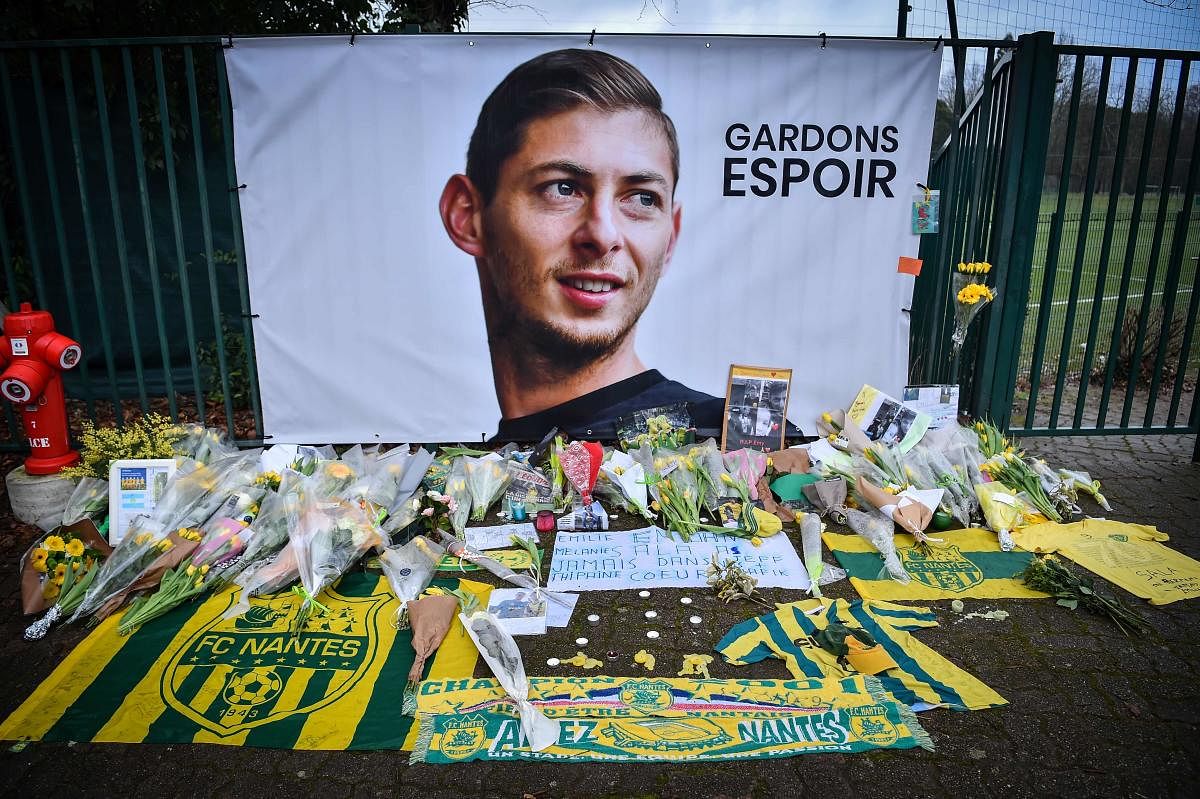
x=544 y=521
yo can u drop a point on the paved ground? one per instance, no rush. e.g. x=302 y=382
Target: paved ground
x=1092 y=712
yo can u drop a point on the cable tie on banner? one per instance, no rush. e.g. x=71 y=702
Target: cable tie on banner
x=352 y=35
x=229 y=43
x=251 y=315
x=592 y=38
x=823 y=37
x=924 y=188
x=237 y=188
x=938 y=44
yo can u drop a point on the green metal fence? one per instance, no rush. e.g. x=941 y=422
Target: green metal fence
x=1073 y=171
x=119 y=214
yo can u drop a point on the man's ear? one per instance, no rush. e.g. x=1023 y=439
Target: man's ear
x=676 y=222
x=461 y=208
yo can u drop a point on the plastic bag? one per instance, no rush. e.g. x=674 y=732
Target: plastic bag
x=879 y=532
x=485 y=478
x=1002 y=509
x=456 y=487
x=89 y=500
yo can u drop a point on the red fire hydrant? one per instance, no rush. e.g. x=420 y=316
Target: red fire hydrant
x=33 y=355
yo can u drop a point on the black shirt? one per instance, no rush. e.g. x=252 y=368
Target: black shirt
x=594 y=415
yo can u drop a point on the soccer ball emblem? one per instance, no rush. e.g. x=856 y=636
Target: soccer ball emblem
x=252 y=687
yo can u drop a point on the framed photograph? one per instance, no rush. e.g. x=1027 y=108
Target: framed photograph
x=756 y=401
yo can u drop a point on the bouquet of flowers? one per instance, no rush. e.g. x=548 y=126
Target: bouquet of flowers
x=629 y=478
x=678 y=494
x=1082 y=481
x=661 y=428
x=707 y=458
x=409 y=569
x=1002 y=510
x=927 y=467
x=1011 y=470
x=151 y=436
x=971 y=295
x=57 y=564
x=326 y=539
x=432 y=616
x=267 y=533
x=456 y=489
x=747 y=465
x=1048 y=574
x=201 y=444
x=878 y=531
x=486 y=478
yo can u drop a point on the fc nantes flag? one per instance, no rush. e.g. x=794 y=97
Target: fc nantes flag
x=968 y=564
x=193 y=676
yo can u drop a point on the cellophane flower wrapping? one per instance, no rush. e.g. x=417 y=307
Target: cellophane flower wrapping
x=204 y=444
x=810 y=540
x=409 y=569
x=628 y=478
x=456 y=489
x=459 y=549
x=707 y=456
x=402 y=515
x=503 y=657
x=89 y=500
x=268 y=532
x=1001 y=510
x=1082 y=481
x=328 y=537
x=962 y=450
x=965 y=312
x=880 y=532
x=928 y=469
x=145 y=540
x=486 y=479
x=747 y=465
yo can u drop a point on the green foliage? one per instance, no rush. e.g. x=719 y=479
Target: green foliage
x=58 y=19
x=152 y=436
x=238 y=364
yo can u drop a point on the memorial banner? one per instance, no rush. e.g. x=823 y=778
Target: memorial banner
x=424 y=264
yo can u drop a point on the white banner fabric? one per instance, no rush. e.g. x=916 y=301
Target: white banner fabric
x=369 y=324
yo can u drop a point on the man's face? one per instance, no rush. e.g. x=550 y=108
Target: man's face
x=582 y=224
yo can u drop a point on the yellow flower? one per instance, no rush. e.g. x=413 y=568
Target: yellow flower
x=338 y=471
x=654 y=506
x=142 y=538
x=38 y=559
x=50 y=591
x=191 y=570
x=58 y=580
x=60 y=571
x=666 y=500
x=164 y=545
x=827 y=418
x=770 y=463
x=756 y=541
x=204 y=569
x=54 y=543
x=199 y=582
x=74 y=547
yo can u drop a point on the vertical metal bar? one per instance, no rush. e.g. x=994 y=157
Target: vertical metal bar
x=139 y=161
x=1050 y=277
x=177 y=227
x=1171 y=284
x=1089 y=187
x=1184 y=352
x=235 y=214
x=982 y=149
x=60 y=231
x=10 y=277
x=206 y=231
x=902 y=20
x=1027 y=136
x=1160 y=220
x=1110 y=218
x=1131 y=244
x=987 y=177
x=114 y=201
x=31 y=237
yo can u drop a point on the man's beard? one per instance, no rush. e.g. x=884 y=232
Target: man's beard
x=552 y=348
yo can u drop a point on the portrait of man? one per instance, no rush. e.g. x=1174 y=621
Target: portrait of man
x=568 y=206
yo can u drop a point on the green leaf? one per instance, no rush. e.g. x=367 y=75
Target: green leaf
x=1069 y=603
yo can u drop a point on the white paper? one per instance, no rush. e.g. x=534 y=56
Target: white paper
x=134 y=488
x=648 y=558
x=499 y=536
x=277 y=458
x=940 y=403
x=559 y=610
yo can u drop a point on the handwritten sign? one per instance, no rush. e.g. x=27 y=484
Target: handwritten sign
x=649 y=558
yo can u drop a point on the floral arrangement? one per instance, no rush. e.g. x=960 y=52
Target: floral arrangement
x=971 y=294
x=152 y=436
x=66 y=566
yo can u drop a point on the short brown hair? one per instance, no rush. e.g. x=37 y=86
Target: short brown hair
x=550 y=84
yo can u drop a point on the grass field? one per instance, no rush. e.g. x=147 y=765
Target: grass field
x=1080 y=251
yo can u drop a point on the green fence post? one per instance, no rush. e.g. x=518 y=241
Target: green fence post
x=1027 y=136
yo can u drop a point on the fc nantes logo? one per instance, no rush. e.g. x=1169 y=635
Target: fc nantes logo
x=463 y=737
x=236 y=674
x=872 y=725
x=647 y=696
x=945 y=568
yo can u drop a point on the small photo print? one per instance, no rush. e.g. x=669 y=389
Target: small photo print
x=756 y=408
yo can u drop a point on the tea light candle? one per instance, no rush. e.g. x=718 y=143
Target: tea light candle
x=593 y=619
x=644 y=594
x=652 y=634
x=685 y=600
x=552 y=662
x=695 y=619
x=650 y=614
x=581 y=642
x=544 y=522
